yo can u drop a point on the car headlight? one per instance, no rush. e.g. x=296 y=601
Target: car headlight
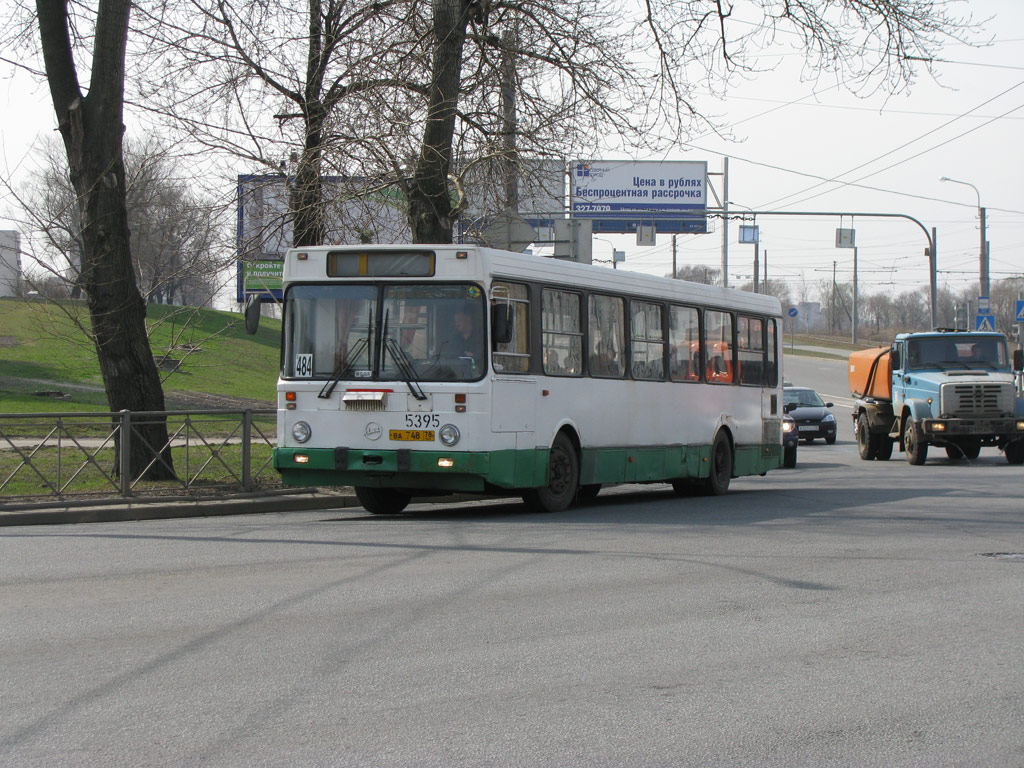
x=449 y=434
x=828 y=418
x=788 y=426
x=301 y=432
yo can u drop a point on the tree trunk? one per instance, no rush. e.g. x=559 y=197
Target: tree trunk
x=92 y=129
x=307 y=187
x=430 y=204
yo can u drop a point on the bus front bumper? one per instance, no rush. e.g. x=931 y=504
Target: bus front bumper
x=469 y=471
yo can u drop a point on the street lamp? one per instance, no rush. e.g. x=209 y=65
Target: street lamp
x=983 y=252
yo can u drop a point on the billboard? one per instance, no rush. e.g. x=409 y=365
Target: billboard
x=355 y=211
x=620 y=195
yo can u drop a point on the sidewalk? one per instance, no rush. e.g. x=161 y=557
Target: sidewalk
x=120 y=510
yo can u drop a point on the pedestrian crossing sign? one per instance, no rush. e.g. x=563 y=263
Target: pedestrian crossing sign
x=1020 y=311
x=985 y=323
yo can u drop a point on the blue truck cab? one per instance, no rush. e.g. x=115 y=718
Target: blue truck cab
x=953 y=389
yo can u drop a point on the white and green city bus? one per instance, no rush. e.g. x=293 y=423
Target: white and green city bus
x=428 y=369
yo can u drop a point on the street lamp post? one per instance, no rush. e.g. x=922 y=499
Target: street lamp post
x=983 y=282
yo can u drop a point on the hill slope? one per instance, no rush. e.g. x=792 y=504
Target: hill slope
x=207 y=360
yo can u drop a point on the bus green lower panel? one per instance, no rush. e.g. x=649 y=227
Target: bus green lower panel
x=476 y=471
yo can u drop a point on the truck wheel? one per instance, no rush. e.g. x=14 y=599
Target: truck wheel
x=916 y=448
x=867 y=445
x=382 y=501
x=563 y=479
x=885 y=444
x=1015 y=452
x=971 y=448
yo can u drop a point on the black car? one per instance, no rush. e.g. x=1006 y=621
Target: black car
x=812 y=414
x=790 y=438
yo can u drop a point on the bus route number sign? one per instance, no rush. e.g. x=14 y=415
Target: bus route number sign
x=304 y=366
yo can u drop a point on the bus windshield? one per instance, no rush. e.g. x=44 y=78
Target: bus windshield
x=394 y=331
x=960 y=351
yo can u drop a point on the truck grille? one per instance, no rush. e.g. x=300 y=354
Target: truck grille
x=977 y=399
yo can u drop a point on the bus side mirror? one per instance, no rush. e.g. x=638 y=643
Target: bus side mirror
x=1018 y=359
x=252 y=313
x=501 y=323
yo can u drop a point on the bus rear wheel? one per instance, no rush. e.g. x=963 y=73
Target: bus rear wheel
x=717 y=483
x=563 y=479
x=382 y=501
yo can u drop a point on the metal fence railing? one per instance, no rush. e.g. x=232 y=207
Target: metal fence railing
x=63 y=455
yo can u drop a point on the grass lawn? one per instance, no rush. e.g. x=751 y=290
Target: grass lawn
x=44 y=345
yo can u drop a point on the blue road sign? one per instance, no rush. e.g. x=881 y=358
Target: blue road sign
x=1020 y=312
x=793 y=312
x=985 y=323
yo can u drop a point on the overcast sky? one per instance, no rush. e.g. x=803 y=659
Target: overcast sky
x=886 y=154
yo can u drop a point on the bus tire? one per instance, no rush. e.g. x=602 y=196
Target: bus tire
x=382 y=501
x=720 y=472
x=563 y=479
x=916 y=448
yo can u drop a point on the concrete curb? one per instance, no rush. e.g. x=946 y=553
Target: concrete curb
x=172 y=508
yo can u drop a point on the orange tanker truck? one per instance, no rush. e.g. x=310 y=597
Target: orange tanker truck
x=950 y=389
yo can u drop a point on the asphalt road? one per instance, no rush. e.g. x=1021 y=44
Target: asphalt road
x=842 y=613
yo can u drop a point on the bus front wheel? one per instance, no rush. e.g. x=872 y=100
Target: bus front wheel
x=563 y=478
x=382 y=501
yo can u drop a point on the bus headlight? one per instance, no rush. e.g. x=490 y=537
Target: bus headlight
x=301 y=432
x=449 y=434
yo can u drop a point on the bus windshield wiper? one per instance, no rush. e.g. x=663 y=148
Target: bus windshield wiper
x=343 y=367
x=404 y=364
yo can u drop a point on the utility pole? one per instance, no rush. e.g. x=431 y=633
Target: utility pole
x=757 y=264
x=675 y=272
x=725 y=222
x=832 y=314
x=854 y=335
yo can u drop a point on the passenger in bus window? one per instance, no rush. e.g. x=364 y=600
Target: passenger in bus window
x=551 y=362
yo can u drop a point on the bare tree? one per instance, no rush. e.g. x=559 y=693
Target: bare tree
x=416 y=94
x=173 y=230
x=91 y=125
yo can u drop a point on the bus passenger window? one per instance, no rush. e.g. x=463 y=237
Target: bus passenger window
x=607 y=336
x=718 y=348
x=648 y=341
x=772 y=373
x=561 y=332
x=750 y=349
x=514 y=355
x=684 y=344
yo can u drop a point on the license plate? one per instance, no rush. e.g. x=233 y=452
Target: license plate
x=411 y=434
x=809 y=429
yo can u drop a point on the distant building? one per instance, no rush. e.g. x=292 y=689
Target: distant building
x=10 y=263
